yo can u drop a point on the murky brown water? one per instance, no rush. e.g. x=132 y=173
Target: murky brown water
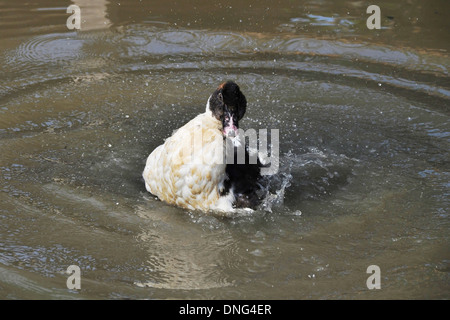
x=364 y=123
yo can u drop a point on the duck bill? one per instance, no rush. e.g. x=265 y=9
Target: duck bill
x=230 y=126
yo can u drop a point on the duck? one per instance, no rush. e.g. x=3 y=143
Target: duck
x=193 y=169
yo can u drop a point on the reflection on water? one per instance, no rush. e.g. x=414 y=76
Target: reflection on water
x=179 y=257
x=363 y=118
x=94 y=15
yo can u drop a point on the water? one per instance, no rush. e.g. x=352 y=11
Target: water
x=363 y=117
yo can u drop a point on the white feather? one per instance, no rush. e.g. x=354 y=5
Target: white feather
x=188 y=169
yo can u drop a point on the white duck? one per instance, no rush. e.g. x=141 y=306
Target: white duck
x=189 y=170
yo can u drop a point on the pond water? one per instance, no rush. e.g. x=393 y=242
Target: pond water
x=364 y=124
